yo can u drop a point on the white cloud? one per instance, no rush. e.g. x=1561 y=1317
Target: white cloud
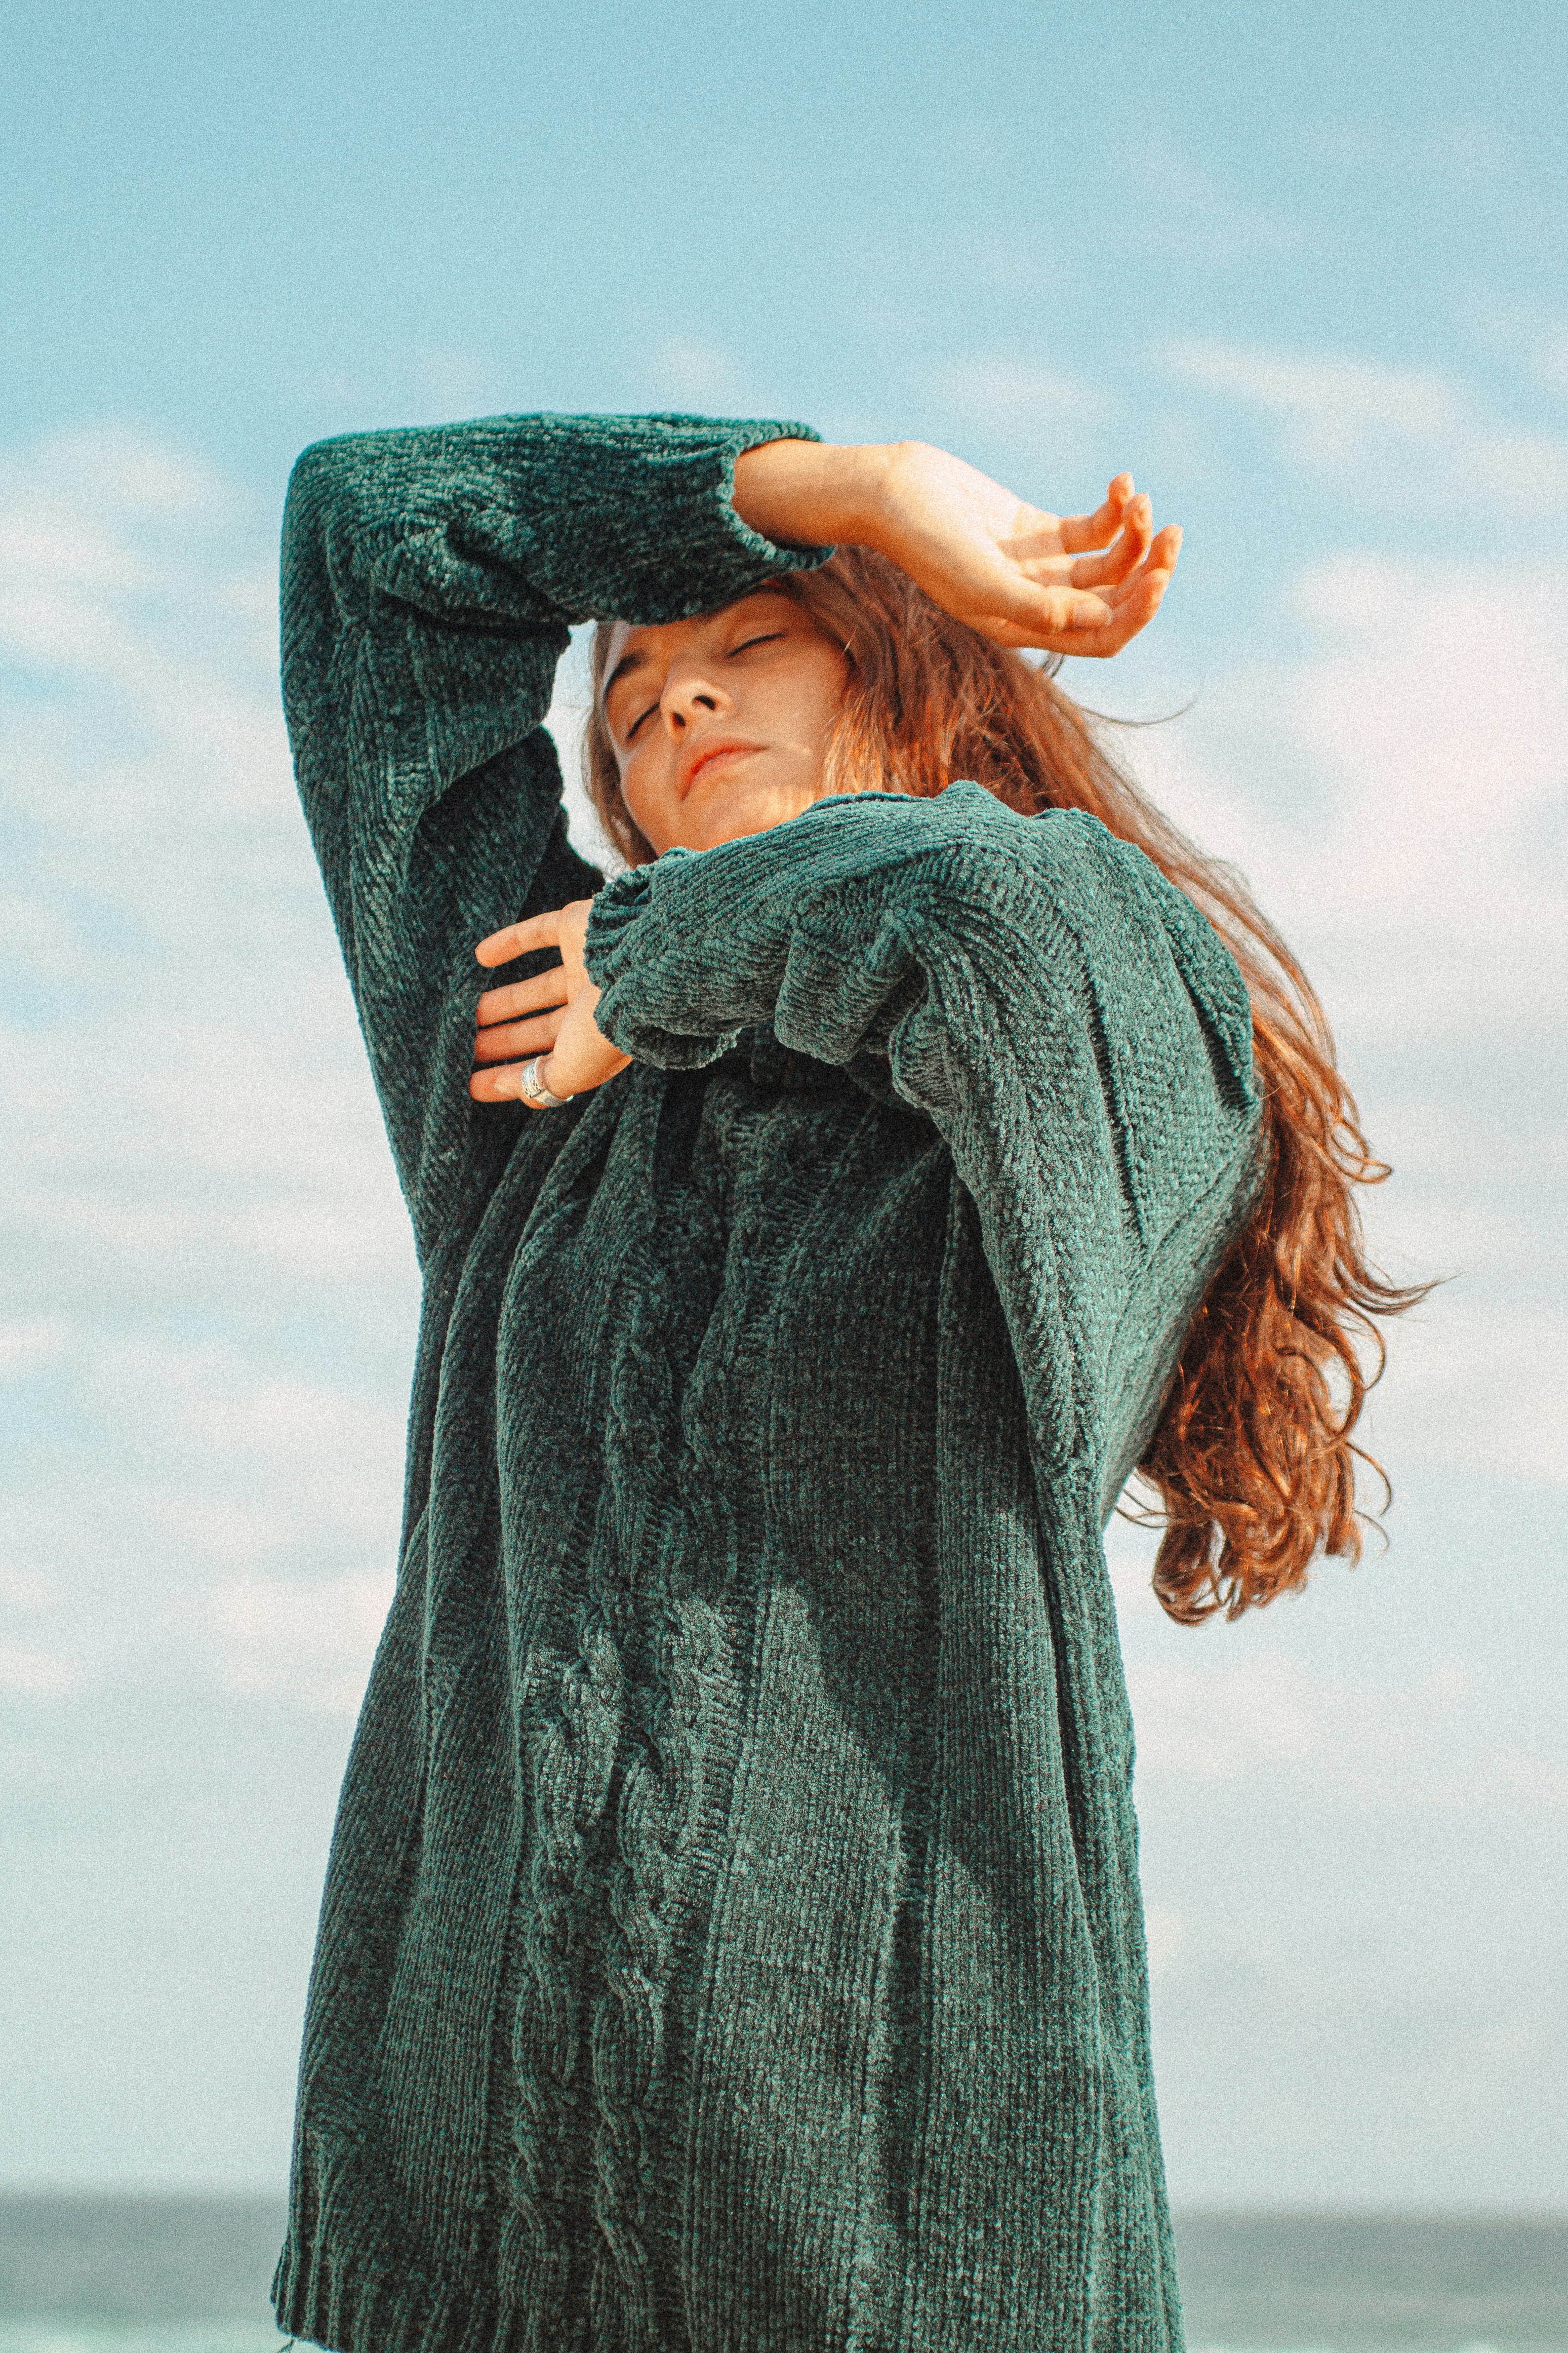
x=207 y=1398
x=188 y=1111
x=1426 y=1743
x=312 y=1645
x=1216 y=1727
x=197 y=1172
x=1405 y=435
x=118 y=582
x=701 y=376
x=24 y=1338
x=454 y=385
x=223 y=1460
x=1000 y=394
x=114 y=470
x=1438 y=713
x=1165 y=1933
x=234 y=1152
x=36 y=1653
x=34 y=1674
x=1479 y=1383
x=178 y=1469
x=1422 y=865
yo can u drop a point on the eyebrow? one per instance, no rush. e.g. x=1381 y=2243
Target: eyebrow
x=628 y=662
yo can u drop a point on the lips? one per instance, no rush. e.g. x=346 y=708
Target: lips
x=693 y=765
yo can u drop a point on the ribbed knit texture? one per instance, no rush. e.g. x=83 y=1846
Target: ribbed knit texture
x=732 y=1937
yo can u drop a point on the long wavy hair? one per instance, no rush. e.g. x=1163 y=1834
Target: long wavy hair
x=1252 y=1458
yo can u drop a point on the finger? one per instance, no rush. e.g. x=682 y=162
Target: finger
x=1074 y=621
x=1131 y=606
x=509 y=1040
x=523 y=997
x=1056 y=612
x=520 y=939
x=497 y=1086
x=1126 y=552
x=576 y=1077
x=1144 y=587
x=1015 y=610
x=1081 y=532
x=1159 y=560
x=505 y=1084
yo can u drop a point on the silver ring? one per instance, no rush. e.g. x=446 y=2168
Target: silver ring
x=534 y=1088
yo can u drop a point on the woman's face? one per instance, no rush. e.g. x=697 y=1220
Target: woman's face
x=721 y=724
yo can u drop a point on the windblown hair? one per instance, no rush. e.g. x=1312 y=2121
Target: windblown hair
x=1252 y=1458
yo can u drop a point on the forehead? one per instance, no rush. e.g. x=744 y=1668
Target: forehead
x=636 y=646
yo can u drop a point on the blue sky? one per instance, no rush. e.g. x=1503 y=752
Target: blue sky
x=1302 y=270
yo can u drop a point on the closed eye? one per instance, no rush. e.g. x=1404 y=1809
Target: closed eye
x=763 y=638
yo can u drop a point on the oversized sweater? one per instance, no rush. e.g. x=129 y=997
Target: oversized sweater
x=732 y=1937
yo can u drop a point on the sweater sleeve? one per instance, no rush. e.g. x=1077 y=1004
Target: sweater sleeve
x=1069 y=1020
x=429 y=579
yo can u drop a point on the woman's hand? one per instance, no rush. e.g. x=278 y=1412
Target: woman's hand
x=552 y=1014
x=1068 y=585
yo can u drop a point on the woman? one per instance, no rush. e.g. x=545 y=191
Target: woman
x=732 y=1937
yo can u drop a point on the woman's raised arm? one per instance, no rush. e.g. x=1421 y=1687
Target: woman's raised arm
x=429 y=581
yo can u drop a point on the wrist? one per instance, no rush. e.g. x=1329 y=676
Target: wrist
x=814 y=493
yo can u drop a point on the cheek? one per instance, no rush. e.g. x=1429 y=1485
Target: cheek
x=816 y=694
x=648 y=808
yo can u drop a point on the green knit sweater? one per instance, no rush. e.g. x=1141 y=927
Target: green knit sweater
x=732 y=1937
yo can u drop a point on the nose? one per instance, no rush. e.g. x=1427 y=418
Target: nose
x=689 y=694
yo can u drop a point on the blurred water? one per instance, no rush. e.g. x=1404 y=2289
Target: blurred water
x=151 y=2336
x=1370 y=2284
x=90 y=2274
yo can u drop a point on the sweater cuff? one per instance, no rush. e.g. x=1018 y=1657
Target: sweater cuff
x=612 y=918
x=690 y=465
x=612 y=962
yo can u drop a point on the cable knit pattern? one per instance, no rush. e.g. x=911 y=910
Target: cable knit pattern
x=732 y=1941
